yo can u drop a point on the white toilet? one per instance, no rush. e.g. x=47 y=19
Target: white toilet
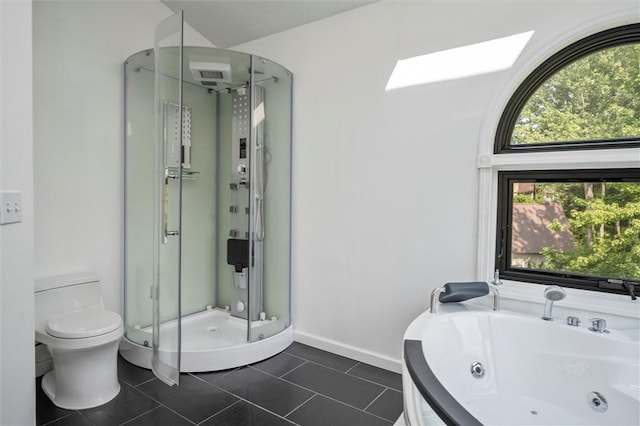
x=82 y=337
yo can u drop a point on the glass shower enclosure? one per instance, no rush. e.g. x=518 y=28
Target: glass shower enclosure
x=207 y=207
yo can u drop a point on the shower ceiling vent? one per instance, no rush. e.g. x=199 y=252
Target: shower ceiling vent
x=210 y=72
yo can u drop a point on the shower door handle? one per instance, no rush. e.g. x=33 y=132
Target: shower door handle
x=165 y=209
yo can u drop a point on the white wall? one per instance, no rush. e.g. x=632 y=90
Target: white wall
x=79 y=51
x=385 y=183
x=17 y=385
x=385 y=190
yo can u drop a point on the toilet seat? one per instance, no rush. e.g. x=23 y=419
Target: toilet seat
x=83 y=323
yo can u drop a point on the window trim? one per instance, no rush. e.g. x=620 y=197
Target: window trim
x=618 y=36
x=503 y=237
x=572 y=158
x=528 y=295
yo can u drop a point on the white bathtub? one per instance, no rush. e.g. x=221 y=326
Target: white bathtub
x=535 y=372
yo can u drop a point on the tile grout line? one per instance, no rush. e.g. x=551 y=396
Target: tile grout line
x=371 y=380
x=160 y=404
x=229 y=371
x=221 y=411
x=345 y=372
x=60 y=418
x=195 y=376
x=241 y=398
x=141 y=383
x=295 y=356
x=138 y=416
x=149 y=411
x=307 y=400
x=324 y=365
x=375 y=383
x=351 y=406
x=395 y=390
x=280 y=376
x=342 y=372
x=294 y=368
x=357 y=364
x=329 y=397
x=84 y=417
x=255 y=405
x=210 y=384
x=374 y=400
x=349 y=370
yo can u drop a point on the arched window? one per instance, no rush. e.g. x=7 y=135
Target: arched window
x=574 y=227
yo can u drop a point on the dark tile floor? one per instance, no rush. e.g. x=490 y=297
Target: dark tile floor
x=301 y=386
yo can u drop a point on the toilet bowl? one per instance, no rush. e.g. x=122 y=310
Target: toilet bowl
x=82 y=338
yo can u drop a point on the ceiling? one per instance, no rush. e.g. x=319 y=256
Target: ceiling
x=230 y=22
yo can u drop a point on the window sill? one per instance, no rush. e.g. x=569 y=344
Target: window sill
x=592 y=301
x=588 y=159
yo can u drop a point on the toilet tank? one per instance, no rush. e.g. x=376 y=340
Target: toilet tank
x=65 y=293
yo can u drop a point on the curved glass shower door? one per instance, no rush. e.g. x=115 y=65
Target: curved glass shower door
x=168 y=158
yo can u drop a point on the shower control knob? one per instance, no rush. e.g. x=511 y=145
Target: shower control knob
x=240 y=306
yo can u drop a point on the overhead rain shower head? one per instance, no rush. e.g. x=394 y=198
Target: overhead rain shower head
x=206 y=72
x=214 y=75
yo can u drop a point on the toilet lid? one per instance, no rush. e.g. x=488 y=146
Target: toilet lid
x=85 y=323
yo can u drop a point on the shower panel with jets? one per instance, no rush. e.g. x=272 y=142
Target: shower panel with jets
x=207 y=207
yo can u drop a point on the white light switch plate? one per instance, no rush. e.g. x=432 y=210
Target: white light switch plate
x=10 y=207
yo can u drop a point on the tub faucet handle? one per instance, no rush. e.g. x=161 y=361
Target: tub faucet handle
x=573 y=321
x=598 y=325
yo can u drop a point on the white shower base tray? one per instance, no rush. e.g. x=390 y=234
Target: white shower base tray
x=211 y=340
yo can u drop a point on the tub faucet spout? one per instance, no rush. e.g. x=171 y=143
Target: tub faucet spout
x=496 y=298
x=434 y=299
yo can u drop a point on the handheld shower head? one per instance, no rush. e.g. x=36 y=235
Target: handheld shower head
x=552 y=294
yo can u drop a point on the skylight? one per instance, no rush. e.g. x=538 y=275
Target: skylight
x=466 y=61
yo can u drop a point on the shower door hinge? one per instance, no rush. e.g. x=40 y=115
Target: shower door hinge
x=153 y=292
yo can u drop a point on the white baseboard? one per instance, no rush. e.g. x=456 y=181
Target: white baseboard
x=362 y=355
